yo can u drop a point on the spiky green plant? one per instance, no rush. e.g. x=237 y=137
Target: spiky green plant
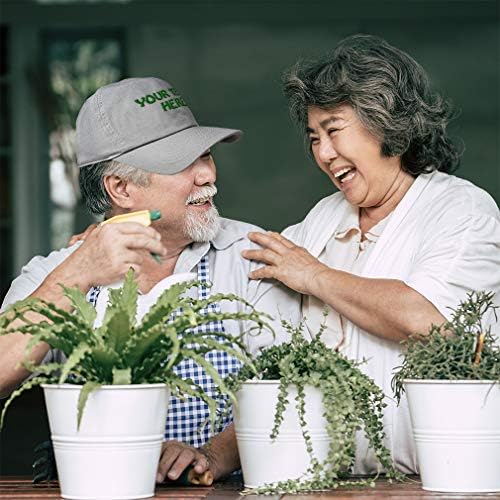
x=460 y=349
x=122 y=351
x=351 y=400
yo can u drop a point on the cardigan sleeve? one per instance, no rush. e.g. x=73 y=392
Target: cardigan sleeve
x=461 y=256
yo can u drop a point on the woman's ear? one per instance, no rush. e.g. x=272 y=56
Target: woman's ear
x=119 y=190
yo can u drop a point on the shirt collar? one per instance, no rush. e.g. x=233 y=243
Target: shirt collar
x=227 y=235
x=193 y=253
x=351 y=223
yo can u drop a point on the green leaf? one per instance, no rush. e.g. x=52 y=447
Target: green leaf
x=211 y=371
x=139 y=346
x=169 y=301
x=83 y=308
x=122 y=376
x=28 y=384
x=74 y=359
x=50 y=369
x=87 y=388
x=105 y=359
x=129 y=296
x=118 y=330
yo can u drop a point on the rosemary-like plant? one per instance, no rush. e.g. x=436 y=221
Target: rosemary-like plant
x=121 y=351
x=352 y=401
x=459 y=349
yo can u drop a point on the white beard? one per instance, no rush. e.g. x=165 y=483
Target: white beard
x=201 y=227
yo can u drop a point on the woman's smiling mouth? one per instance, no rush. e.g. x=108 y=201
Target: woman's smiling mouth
x=345 y=174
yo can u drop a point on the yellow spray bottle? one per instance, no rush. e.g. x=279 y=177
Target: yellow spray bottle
x=144 y=217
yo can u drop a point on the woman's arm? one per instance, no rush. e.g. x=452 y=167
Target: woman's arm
x=387 y=308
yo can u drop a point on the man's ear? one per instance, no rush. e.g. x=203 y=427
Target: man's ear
x=120 y=191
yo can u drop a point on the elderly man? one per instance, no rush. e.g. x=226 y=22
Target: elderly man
x=140 y=147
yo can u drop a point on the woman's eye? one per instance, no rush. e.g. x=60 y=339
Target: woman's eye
x=313 y=141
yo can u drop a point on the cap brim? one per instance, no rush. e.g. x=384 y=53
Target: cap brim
x=176 y=152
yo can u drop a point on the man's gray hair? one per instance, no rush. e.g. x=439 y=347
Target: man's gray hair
x=389 y=91
x=93 y=190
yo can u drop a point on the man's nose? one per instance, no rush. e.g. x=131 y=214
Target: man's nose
x=326 y=152
x=204 y=172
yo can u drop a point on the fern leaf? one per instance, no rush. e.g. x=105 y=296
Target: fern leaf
x=216 y=345
x=104 y=359
x=129 y=296
x=122 y=376
x=84 y=309
x=138 y=346
x=49 y=369
x=169 y=301
x=28 y=384
x=87 y=388
x=118 y=330
x=181 y=387
x=212 y=372
x=74 y=359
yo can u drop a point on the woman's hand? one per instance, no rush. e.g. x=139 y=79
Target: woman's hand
x=82 y=236
x=292 y=265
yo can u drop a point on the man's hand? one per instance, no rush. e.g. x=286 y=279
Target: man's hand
x=108 y=252
x=292 y=265
x=176 y=456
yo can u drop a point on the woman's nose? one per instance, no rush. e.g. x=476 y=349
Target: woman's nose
x=326 y=152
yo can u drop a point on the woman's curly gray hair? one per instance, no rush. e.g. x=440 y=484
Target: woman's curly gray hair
x=391 y=94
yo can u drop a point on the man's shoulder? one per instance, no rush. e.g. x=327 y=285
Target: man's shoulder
x=326 y=211
x=232 y=231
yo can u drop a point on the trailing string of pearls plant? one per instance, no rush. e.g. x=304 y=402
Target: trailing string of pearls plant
x=352 y=401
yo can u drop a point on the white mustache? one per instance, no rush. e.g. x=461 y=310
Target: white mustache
x=204 y=192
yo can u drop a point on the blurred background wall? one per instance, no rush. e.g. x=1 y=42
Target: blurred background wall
x=227 y=58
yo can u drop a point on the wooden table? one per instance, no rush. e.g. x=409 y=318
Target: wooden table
x=17 y=488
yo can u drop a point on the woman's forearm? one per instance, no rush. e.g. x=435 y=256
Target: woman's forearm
x=387 y=308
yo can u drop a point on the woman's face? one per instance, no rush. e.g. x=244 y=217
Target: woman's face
x=351 y=156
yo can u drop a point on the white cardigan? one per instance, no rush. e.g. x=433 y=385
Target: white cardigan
x=443 y=240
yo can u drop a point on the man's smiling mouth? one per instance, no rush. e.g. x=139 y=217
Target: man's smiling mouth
x=200 y=201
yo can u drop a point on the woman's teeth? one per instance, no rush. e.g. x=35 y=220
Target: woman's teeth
x=348 y=177
x=345 y=174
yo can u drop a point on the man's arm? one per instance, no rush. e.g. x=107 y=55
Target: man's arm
x=103 y=258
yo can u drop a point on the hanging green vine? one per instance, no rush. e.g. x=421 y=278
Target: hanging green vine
x=352 y=401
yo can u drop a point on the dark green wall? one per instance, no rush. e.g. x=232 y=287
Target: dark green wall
x=230 y=72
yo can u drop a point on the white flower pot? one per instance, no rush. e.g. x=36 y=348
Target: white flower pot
x=456 y=426
x=114 y=455
x=262 y=460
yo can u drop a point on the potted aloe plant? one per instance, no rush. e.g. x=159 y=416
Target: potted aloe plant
x=296 y=422
x=107 y=403
x=451 y=377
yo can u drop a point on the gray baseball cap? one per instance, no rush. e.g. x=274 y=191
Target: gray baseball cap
x=144 y=123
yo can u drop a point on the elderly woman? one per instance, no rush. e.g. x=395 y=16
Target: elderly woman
x=402 y=240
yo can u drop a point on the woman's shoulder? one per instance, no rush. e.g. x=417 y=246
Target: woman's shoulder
x=453 y=193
